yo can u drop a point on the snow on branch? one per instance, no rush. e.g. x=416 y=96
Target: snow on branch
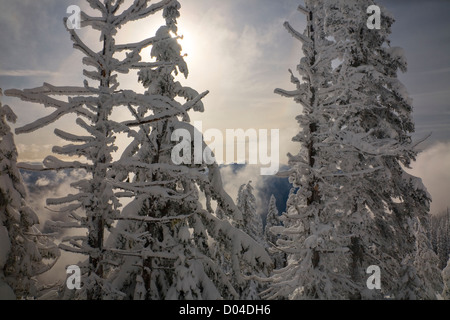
x=37 y=97
x=167 y=114
x=153 y=220
x=138 y=46
x=139 y=10
x=154 y=190
x=143 y=253
x=67 y=199
x=80 y=45
x=287 y=94
x=31 y=167
x=240 y=241
x=151 y=65
x=97 y=5
x=71 y=137
x=49 y=89
x=296 y=34
x=75 y=149
x=43 y=121
x=56 y=225
x=72 y=249
x=353 y=174
x=54 y=163
x=303 y=10
x=97 y=23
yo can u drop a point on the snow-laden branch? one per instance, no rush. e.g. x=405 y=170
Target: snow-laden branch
x=63 y=108
x=167 y=114
x=138 y=46
x=49 y=89
x=32 y=167
x=80 y=45
x=72 y=137
x=153 y=220
x=296 y=34
x=240 y=242
x=352 y=174
x=139 y=10
x=151 y=65
x=68 y=199
x=144 y=254
x=54 y=163
x=72 y=249
x=287 y=94
x=97 y=23
x=97 y=5
x=303 y=10
x=64 y=225
x=154 y=190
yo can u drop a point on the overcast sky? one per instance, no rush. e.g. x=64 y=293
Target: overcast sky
x=239 y=50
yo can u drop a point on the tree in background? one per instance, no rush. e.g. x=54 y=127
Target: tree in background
x=25 y=252
x=252 y=222
x=440 y=236
x=446 y=277
x=270 y=235
x=252 y=225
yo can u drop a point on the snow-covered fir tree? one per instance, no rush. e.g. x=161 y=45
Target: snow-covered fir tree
x=252 y=225
x=440 y=236
x=427 y=266
x=272 y=220
x=252 y=221
x=355 y=207
x=172 y=247
x=25 y=252
x=309 y=229
x=270 y=235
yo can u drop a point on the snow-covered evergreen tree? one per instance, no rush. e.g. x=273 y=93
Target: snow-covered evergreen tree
x=271 y=237
x=252 y=222
x=309 y=235
x=355 y=207
x=94 y=104
x=440 y=236
x=427 y=266
x=25 y=253
x=272 y=220
x=252 y=225
x=170 y=243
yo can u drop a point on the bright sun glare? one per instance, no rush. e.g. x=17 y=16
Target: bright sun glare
x=187 y=44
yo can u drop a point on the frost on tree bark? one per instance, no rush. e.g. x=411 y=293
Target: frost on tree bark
x=355 y=206
x=24 y=251
x=169 y=242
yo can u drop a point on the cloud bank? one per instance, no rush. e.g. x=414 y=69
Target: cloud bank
x=433 y=167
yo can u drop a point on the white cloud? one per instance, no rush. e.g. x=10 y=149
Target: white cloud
x=233 y=179
x=42 y=182
x=433 y=167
